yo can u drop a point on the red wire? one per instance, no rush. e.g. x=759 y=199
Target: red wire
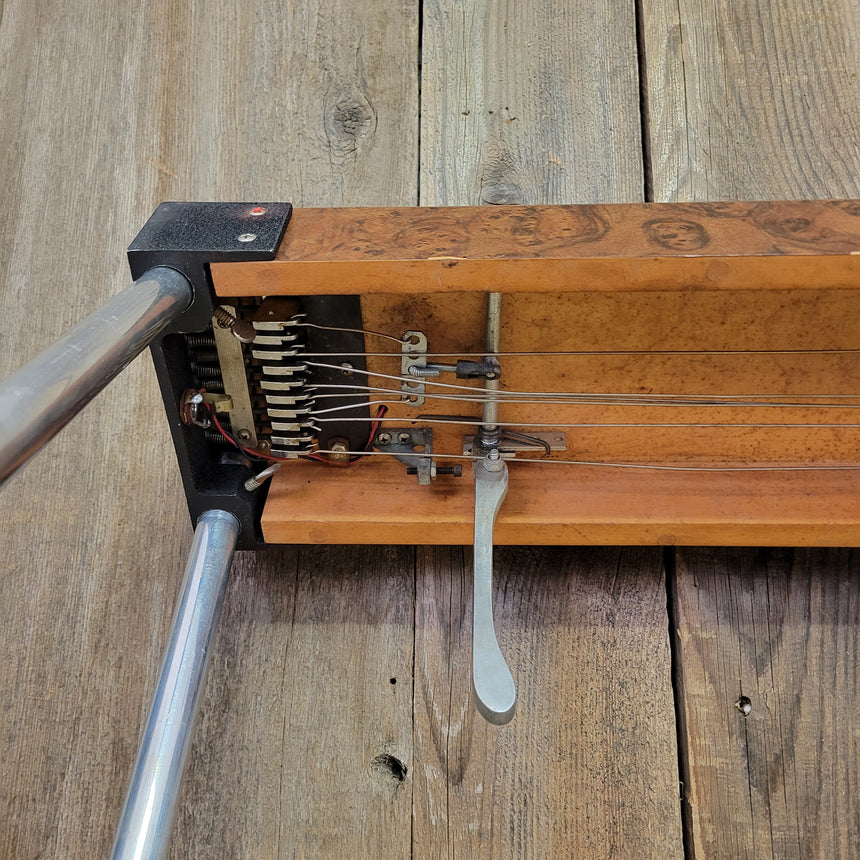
x=380 y=414
x=374 y=429
x=221 y=430
x=233 y=442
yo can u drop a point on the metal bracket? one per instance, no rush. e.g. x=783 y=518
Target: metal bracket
x=188 y=237
x=413 y=364
x=511 y=443
x=404 y=443
x=232 y=363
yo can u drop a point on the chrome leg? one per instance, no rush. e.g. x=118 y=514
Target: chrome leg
x=38 y=400
x=150 y=805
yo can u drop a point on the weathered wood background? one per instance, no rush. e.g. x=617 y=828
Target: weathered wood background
x=337 y=720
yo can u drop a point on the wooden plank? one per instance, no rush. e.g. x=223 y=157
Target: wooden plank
x=750 y=102
x=760 y=100
x=313 y=102
x=587 y=762
x=703 y=246
x=574 y=504
x=768 y=646
x=564 y=505
x=310 y=734
x=517 y=105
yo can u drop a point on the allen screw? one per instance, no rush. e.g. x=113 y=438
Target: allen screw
x=456 y=471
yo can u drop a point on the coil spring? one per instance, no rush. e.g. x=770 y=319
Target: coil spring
x=200 y=340
x=205 y=372
x=203 y=359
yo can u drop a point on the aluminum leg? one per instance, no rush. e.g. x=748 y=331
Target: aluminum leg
x=150 y=806
x=38 y=400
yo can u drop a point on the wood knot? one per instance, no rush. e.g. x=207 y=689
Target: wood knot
x=349 y=117
x=501 y=192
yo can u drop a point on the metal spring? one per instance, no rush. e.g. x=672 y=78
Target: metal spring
x=200 y=340
x=206 y=371
x=224 y=317
x=203 y=358
x=204 y=355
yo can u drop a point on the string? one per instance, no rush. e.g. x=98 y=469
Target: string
x=478 y=422
x=716 y=401
x=562 y=353
x=505 y=395
x=617 y=465
x=299 y=320
x=352 y=331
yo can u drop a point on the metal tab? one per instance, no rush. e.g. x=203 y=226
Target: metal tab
x=232 y=363
x=509 y=447
x=405 y=443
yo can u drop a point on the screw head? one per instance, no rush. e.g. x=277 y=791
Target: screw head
x=244 y=331
x=263 y=445
x=404 y=438
x=383 y=438
x=244 y=435
x=247 y=237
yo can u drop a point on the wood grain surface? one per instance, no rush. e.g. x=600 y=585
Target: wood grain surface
x=516 y=102
x=747 y=99
x=767 y=647
x=559 y=505
x=547 y=249
x=337 y=718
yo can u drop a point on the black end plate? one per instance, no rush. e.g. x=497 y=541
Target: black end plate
x=188 y=237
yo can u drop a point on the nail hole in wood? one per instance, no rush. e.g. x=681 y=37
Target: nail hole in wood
x=386 y=765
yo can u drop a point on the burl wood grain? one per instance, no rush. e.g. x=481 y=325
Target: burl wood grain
x=756 y=246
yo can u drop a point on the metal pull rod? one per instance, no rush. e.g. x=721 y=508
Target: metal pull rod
x=492 y=682
x=150 y=805
x=38 y=400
